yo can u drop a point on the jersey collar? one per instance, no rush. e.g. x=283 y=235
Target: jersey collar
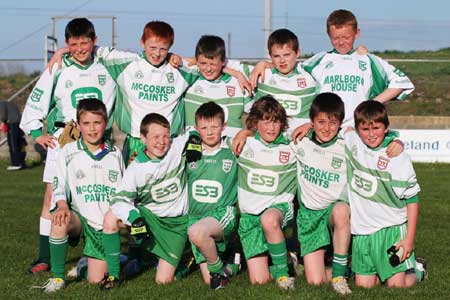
x=157 y=67
x=292 y=73
x=105 y=148
x=280 y=140
x=312 y=136
x=224 y=77
x=142 y=157
x=348 y=53
x=68 y=60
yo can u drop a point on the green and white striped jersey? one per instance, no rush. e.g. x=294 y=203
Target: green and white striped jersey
x=144 y=88
x=379 y=187
x=158 y=185
x=226 y=92
x=56 y=95
x=355 y=78
x=87 y=181
x=266 y=174
x=295 y=91
x=321 y=171
x=212 y=181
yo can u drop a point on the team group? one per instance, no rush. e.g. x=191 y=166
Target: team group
x=189 y=162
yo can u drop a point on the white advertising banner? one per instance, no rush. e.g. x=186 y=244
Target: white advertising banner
x=426 y=145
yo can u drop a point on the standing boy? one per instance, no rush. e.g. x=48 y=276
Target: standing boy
x=266 y=188
x=212 y=184
x=88 y=172
x=215 y=85
x=383 y=201
x=152 y=199
x=352 y=76
x=9 y=124
x=55 y=98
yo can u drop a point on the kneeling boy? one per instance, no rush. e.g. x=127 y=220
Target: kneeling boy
x=91 y=169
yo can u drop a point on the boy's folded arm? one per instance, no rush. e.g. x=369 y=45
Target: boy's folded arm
x=243 y=82
x=258 y=72
x=240 y=139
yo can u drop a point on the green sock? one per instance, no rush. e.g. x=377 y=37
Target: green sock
x=44 y=248
x=215 y=267
x=58 y=253
x=111 y=244
x=278 y=253
x=339 y=264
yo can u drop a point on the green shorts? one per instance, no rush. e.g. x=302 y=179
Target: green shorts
x=227 y=217
x=251 y=233
x=93 y=240
x=169 y=235
x=370 y=257
x=131 y=147
x=313 y=229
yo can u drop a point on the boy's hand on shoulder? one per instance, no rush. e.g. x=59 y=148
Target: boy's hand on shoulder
x=57 y=58
x=239 y=140
x=245 y=85
x=175 y=60
x=258 y=73
x=362 y=50
x=62 y=214
x=46 y=141
x=395 y=148
x=300 y=132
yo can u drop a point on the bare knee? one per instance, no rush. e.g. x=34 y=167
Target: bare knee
x=110 y=223
x=341 y=215
x=270 y=222
x=163 y=279
x=259 y=280
x=196 y=234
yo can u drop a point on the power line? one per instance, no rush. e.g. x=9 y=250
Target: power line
x=20 y=40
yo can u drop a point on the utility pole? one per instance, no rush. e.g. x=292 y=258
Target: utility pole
x=267 y=23
x=228 y=44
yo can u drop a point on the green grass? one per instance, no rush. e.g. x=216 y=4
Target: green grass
x=21 y=195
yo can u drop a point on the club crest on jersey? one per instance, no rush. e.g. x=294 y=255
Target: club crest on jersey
x=301 y=82
x=198 y=90
x=329 y=65
x=382 y=163
x=36 y=95
x=112 y=175
x=231 y=91
x=301 y=152
x=272 y=81
x=248 y=153
x=101 y=79
x=362 y=65
x=68 y=84
x=170 y=77
x=139 y=75
x=80 y=174
x=336 y=162
x=226 y=165
x=193 y=165
x=284 y=156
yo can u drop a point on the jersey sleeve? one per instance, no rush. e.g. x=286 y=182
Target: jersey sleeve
x=60 y=184
x=404 y=180
x=122 y=201
x=115 y=61
x=385 y=76
x=189 y=74
x=39 y=103
x=312 y=62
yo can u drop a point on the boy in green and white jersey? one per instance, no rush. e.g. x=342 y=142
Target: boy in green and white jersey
x=215 y=85
x=55 y=98
x=212 y=185
x=284 y=78
x=153 y=197
x=88 y=172
x=383 y=202
x=354 y=77
x=266 y=189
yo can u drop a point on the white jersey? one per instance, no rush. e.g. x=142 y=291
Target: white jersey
x=378 y=185
x=158 y=185
x=144 y=88
x=321 y=171
x=86 y=181
x=355 y=78
x=55 y=96
x=226 y=92
x=295 y=92
x=266 y=175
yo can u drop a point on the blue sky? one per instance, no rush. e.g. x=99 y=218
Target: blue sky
x=385 y=24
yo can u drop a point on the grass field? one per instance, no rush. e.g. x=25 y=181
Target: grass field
x=21 y=193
